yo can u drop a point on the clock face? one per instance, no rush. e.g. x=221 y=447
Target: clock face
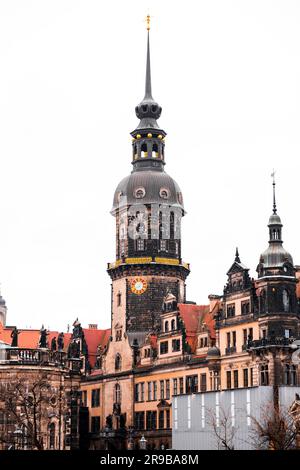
x=138 y=285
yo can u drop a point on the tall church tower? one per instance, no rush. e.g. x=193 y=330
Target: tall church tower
x=148 y=207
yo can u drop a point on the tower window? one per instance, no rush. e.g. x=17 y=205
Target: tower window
x=119 y=299
x=117 y=393
x=163 y=245
x=140 y=244
x=166 y=326
x=286 y=300
x=139 y=193
x=173 y=325
x=118 y=362
x=164 y=193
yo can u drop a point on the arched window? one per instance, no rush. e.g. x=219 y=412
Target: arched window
x=166 y=326
x=118 y=362
x=173 y=325
x=117 y=393
x=286 y=300
x=52 y=436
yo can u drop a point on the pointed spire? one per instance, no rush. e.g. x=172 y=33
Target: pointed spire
x=148 y=91
x=274 y=195
x=237 y=256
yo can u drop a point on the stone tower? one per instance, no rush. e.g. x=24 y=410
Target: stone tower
x=148 y=207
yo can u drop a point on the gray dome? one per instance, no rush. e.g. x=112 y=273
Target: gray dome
x=275 y=256
x=151 y=182
x=213 y=352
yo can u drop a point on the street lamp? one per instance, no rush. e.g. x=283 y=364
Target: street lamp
x=143 y=443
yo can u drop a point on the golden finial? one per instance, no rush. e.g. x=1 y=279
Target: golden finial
x=148 y=22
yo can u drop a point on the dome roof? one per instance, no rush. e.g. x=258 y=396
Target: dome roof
x=146 y=187
x=213 y=352
x=275 y=256
x=274 y=220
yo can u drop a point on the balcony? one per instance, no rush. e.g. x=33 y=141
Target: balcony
x=230 y=350
x=24 y=356
x=274 y=341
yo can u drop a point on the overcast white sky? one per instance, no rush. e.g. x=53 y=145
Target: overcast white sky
x=227 y=74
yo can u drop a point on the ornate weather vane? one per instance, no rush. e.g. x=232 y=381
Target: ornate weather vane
x=274 y=197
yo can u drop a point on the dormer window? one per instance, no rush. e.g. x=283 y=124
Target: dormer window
x=230 y=310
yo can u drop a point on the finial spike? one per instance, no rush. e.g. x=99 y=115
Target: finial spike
x=148 y=91
x=237 y=256
x=274 y=195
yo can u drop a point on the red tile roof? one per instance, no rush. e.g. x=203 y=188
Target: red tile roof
x=193 y=317
x=30 y=339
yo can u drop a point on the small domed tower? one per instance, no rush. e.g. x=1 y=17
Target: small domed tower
x=276 y=284
x=148 y=207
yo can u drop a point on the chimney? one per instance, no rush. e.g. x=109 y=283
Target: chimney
x=93 y=326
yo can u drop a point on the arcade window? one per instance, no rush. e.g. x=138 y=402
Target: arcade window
x=164 y=347
x=95 y=397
